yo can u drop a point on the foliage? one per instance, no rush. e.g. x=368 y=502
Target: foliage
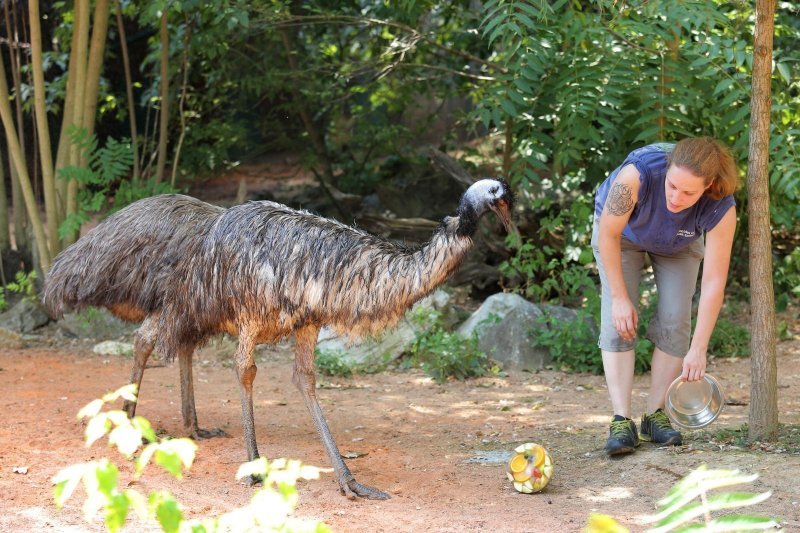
x=443 y=354
x=24 y=284
x=787 y=278
x=679 y=510
x=729 y=339
x=332 y=363
x=269 y=509
x=551 y=265
x=572 y=344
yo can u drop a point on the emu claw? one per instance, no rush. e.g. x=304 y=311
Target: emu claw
x=353 y=489
x=202 y=434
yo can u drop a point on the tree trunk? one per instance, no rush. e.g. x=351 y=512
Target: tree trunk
x=42 y=128
x=95 y=65
x=64 y=143
x=15 y=150
x=763 y=423
x=17 y=200
x=5 y=234
x=129 y=92
x=78 y=107
x=164 y=114
x=187 y=33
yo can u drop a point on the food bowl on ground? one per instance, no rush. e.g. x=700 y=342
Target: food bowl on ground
x=694 y=404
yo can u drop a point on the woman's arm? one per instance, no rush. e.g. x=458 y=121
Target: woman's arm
x=617 y=211
x=716 y=261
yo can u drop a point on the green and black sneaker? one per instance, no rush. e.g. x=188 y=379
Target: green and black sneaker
x=622 y=436
x=657 y=428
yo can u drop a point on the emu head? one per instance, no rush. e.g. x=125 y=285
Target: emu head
x=484 y=196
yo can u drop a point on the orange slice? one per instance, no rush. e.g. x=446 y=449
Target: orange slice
x=518 y=463
x=537 y=454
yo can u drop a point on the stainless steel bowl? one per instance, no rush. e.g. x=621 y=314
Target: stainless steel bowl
x=694 y=404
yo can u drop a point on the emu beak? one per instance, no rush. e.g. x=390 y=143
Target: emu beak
x=500 y=207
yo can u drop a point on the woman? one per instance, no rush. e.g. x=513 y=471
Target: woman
x=660 y=203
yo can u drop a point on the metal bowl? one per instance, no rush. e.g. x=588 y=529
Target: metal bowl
x=694 y=404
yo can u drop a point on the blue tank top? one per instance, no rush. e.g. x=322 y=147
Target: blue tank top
x=652 y=226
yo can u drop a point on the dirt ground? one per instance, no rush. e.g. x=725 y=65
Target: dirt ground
x=439 y=450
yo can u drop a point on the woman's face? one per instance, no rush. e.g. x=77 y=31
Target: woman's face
x=682 y=189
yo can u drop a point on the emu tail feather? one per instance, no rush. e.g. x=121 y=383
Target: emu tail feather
x=127 y=261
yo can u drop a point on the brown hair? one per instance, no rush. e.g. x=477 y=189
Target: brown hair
x=709 y=159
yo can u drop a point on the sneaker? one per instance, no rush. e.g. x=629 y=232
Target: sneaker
x=622 y=436
x=657 y=428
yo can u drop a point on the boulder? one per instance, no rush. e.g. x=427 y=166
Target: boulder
x=95 y=323
x=24 y=317
x=10 y=340
x=503 y=324
x=393 y=342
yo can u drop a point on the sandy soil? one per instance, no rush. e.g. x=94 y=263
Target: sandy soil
x=439 y=450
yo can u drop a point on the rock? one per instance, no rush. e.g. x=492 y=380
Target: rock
x=24 y=317
x=97 y=324
x=393 y=343
x=113 y=348
x=10 y=340
x=503 y=324
x=506 y=324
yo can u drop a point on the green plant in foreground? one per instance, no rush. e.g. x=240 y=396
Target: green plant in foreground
x=269 y=508
x=681 y=511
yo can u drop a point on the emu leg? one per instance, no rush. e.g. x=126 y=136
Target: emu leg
x=304 y=379
x=188 y=409
x=246 y=372
x=143 y=343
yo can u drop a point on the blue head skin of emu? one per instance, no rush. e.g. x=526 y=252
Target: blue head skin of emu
x=484 y=196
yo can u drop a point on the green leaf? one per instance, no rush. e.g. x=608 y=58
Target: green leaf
x=116 y=512
x=66 y=480
x=107 y=476
x=742 y=523
x=143 y=425
x=167 y=512
x=257 y=467
x=90 y=409
x=97 y=427
x=785 y=73
x=169 y=461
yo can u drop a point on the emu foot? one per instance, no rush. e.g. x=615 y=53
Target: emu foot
x=202 y=434
x=353 y=489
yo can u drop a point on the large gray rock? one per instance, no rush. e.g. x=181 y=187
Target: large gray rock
x=96 y=323
x=392 y=343
x=503 y=325
x=506 y=324
x=24 y=317
x=10 y=340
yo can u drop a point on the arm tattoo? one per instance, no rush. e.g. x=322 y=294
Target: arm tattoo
x=619 y=200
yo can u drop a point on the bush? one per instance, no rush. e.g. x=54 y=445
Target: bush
x=729 y=340
x=332 y=363
x=572 y=345
x=443 y=354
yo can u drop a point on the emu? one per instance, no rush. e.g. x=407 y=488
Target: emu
x=126 y=265
x=263 y=271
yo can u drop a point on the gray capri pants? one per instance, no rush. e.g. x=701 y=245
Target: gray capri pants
x=676 y=281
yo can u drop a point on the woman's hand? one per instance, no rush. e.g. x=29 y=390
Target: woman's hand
x=694 y=364
x=625 y=318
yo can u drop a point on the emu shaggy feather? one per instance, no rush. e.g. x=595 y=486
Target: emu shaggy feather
x=262 y=271
x=126 y=264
